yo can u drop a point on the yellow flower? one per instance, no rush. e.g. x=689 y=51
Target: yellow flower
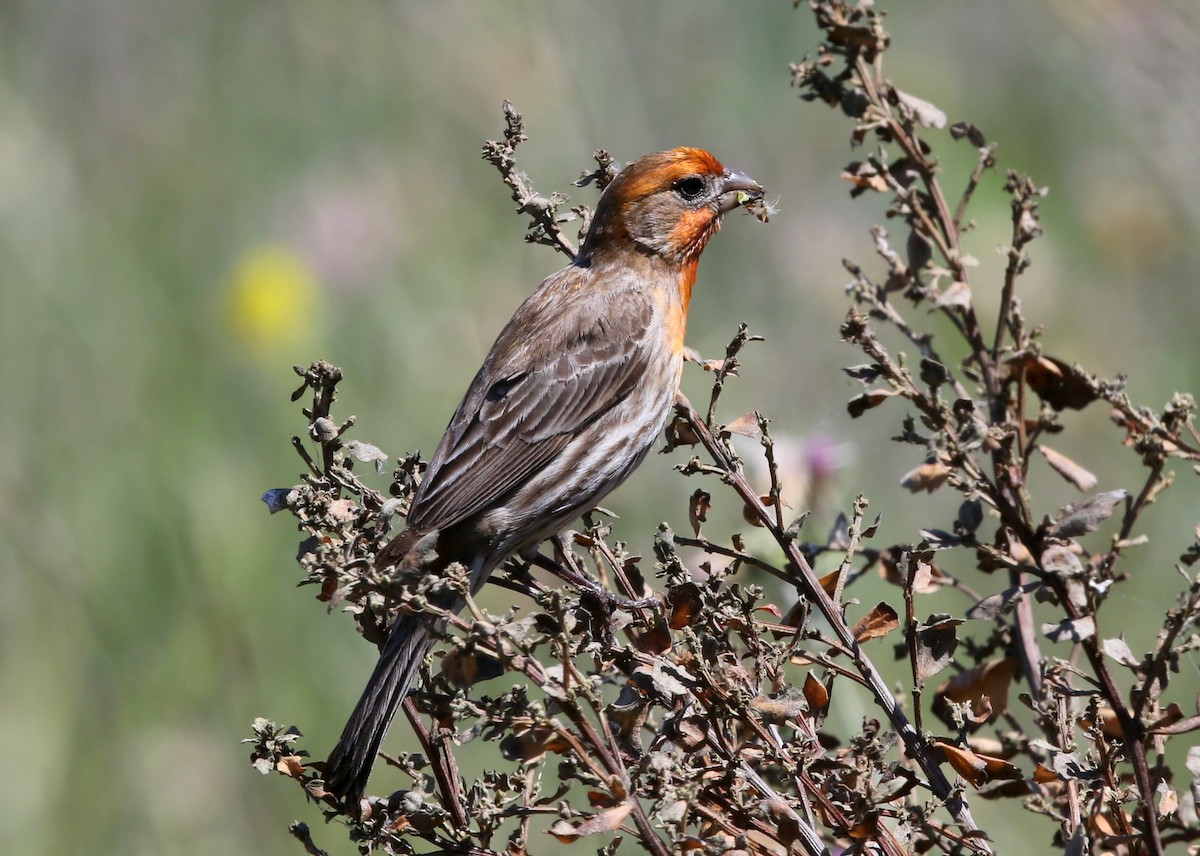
x=272 y=299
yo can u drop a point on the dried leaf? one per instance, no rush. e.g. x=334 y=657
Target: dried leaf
x=685 y=603
x=876 y=624
x=866 y=373
x=367 y=453
x=791 y=704
x=1080 y=518
x=1062 y=562
x=655 y=640
x=745 y=425
x=927 y=579
x=605 y=821
x=680 y=433
x=965 y=129
x=958 y=295
x=984 y=688
x=976 y=768
x=995 y=605
x=937 y=640
x=829 y=582
x=1071 y=630
x=1068 y=469
x=864 y=176
x=1056 y=383
x=1119 y=650
x=926 y=114
x=291 y=765
x=865 y=401
x=698 y=509
x=1168 y=800
x=815 y=692
x=276 y=498
x=928 y=477
x=970 y=515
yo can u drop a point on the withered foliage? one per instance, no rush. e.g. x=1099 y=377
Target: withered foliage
x=679 y=710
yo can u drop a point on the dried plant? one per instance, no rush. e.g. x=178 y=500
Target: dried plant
x=686 y=712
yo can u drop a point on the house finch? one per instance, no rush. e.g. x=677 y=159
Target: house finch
x=567 y=404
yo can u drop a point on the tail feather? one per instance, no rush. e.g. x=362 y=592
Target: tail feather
x=350 y=762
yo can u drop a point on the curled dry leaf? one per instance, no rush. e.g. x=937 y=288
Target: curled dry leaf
x=1119 y=650
x=746 y=425
x=698 y=509
x=1080 y=518
x=815 y=692
x=984 y=688
x=1058 y=384
x=876 y=624
x=1068 y=469
x=864 y=176
x=605 y=821
x=685 y=603
x=937 y=640
x=927 y=579
x=865 y=401
x=928 y=477
x=976 y=768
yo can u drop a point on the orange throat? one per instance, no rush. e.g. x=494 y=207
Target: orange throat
x=677 y=309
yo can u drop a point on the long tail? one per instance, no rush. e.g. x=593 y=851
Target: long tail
x=350 y=762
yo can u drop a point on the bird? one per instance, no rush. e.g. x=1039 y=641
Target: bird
x=568 y=402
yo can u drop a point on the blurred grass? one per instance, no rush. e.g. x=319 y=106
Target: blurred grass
x=152 y=153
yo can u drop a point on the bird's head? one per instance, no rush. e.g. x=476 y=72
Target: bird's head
x=667 y=204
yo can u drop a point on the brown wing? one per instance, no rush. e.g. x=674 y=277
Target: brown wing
x=533 y=394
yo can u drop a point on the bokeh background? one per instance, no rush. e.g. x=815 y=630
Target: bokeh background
x=195 y=196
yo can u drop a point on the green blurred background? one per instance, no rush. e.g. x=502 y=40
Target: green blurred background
x=195 y=196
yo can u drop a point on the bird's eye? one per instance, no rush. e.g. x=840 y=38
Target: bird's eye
x=690 y=188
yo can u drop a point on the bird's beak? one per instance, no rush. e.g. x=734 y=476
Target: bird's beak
x=737 y=188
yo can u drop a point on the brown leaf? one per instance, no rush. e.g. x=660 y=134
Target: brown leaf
x=829 y=582
x=656 y=640
x=291 y=765
x=605 y=821
x=698 y=509
x=976 y=768
x=685 y=605
x=879 y=622
x=815 y=692
x=719 y=366
x=928 y=477
x=528 y=742
x=1068 y=469
x=984 y=688
x=745 y=425
x=1058 y=384
x=1109 y=724
x=680 y=433
x=928 y=578
x=864 y=176
x=865 y=401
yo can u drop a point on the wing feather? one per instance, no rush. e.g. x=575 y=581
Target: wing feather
x=527 y=403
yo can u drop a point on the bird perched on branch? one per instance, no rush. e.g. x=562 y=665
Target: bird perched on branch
x=567 y=403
